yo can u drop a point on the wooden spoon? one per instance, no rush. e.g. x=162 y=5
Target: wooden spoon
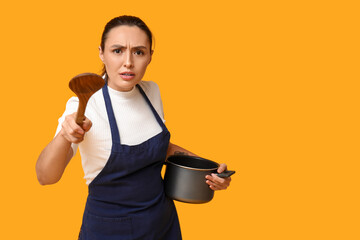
x=84 y=86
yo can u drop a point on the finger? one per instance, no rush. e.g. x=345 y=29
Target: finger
x=221 y=183
x=222 y=168
x=69 y=137
x=211 y=184
x=76 y=128
x=72 y=125
x=215 y=186
x=87 y=124
x=217 y=179
x=70 y=131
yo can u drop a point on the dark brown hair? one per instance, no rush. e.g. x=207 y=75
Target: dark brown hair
x=127 y=21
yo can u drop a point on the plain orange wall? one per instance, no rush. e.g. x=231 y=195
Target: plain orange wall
x=269 y=87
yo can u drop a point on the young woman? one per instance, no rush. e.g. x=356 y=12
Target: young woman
x=123 y=144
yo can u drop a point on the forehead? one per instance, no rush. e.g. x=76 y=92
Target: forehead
x=125 y=35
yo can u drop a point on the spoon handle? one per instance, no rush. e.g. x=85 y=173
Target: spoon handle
x=80 y=115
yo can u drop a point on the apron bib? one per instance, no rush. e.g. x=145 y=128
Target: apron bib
x=126 y=199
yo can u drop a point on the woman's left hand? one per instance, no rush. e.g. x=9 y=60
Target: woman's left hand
x=218 y=183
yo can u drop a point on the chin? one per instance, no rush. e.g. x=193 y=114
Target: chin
x=124 y=86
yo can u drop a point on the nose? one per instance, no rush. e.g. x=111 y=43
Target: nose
x=128 y=61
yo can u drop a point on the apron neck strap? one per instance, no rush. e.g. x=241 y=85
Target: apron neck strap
x=111 y=116
x=158 y=118
x=112 y=121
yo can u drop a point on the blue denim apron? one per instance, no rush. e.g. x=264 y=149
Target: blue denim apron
x=126 y=200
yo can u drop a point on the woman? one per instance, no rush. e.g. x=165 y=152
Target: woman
x=123 y=144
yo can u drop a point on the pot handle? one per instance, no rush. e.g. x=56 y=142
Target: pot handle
x=225 y=174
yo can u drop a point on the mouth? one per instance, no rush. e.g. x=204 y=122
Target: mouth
x=127 y=75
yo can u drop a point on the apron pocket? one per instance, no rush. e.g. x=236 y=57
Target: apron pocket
x=104 y=228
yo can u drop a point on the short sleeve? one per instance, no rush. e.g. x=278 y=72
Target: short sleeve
x=71 y=107
x=152 y=91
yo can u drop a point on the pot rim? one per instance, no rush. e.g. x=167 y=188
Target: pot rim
x=192 y=168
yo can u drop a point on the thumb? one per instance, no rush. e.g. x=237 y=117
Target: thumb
x=86 y=125
x=222 y=168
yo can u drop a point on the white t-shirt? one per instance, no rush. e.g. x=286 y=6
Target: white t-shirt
x=135 y=120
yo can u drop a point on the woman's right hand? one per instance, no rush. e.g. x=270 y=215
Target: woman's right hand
x=71 y=131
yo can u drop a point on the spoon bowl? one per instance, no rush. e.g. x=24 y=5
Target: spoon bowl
x=84 y=86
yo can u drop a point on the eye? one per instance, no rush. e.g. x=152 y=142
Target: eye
x=117 y=51
x=139 y=52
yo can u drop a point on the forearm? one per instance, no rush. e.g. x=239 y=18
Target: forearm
x=177 y=150
x=53 y=160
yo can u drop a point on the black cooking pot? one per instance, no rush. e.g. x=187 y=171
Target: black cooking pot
x=185 y=178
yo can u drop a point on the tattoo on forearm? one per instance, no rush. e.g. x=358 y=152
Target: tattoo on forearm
x=180 y=153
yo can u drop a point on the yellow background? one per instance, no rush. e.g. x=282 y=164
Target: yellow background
x=269 y=87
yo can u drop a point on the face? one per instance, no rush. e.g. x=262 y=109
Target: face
x=126 y=56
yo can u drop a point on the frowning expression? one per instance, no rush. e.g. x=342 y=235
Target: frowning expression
x=126 y=56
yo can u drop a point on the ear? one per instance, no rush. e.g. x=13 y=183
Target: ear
x=151 y=53
x=101 y=54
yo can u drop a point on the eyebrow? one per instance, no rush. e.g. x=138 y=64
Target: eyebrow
x=121 y=46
